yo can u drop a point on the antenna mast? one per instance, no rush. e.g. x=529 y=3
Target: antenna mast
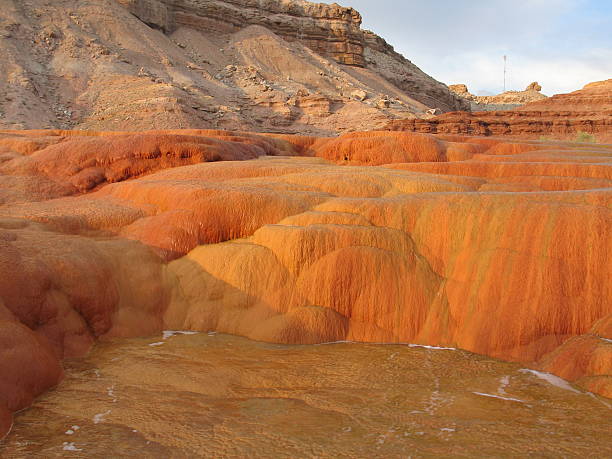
x=505 y=65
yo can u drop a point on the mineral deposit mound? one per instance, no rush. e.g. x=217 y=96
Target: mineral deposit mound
x=494 y=246
x=270 y=171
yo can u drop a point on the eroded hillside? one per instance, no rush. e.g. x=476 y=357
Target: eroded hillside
x=147 y=64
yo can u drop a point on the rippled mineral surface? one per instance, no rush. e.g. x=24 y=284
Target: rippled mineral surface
x=209 y=395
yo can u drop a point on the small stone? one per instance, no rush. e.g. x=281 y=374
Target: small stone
x=383 y=103
x=359 y=94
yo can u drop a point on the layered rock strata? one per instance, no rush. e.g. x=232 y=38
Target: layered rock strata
x=497 y=247
x=562 y=116
x=330 y=30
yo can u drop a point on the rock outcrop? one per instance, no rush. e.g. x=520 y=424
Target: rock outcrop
x=504 y=101
x=273 y=66
x=497 y=247
x=586 y=112
x=535 y=86
x=329 y=30
x=461 y=90
x=595 y=97
x=154 y=13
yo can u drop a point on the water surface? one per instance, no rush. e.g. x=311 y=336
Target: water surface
x=208 y=395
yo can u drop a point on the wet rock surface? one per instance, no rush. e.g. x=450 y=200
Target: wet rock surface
x=213 y=395
x=493 y=246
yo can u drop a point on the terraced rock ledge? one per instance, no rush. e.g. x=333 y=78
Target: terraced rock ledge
x=497 y=247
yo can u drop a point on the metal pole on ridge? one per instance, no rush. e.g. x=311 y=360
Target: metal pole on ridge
x=505 y=62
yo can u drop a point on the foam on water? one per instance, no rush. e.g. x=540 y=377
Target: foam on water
x=170 y=333
x=98 y=418
x=511 y=399
x=504 y=381
x=383 y=401
x=111 y=393
x=70 y=446
x=423 y=346
x=437 y=348
x=552 y=379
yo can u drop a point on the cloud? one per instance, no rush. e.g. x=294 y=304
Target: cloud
x=563 y=44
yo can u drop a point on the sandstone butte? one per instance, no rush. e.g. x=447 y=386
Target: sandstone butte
x=495 y=246
x=562 y=116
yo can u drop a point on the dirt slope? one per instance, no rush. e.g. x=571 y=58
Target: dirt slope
x=146 y=64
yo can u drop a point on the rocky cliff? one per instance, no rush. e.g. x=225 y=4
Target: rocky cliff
x=497 y=247
x=330 y=30
x=283 y=66
x=564 y=116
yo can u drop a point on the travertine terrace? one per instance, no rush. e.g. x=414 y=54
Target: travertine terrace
x=493 y=246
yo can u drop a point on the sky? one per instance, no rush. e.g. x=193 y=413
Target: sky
x=562 y=44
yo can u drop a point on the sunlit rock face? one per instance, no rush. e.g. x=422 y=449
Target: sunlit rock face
x=331 y=30
x=500 y=248
x=563 y=116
